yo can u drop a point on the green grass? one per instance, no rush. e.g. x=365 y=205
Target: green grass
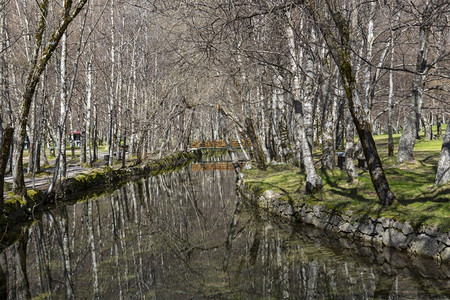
x=419 y=202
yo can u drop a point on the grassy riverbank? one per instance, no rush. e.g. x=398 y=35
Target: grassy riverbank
x=419 y=202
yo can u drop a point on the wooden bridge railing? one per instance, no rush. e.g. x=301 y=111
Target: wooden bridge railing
x=219 y=144
x=215 y=166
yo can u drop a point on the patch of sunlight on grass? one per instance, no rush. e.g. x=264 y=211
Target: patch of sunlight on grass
x=419 y=202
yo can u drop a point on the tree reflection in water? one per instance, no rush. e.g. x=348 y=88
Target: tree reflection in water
x=187 y=235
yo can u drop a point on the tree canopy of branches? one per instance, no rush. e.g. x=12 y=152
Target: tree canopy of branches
x=291 y=76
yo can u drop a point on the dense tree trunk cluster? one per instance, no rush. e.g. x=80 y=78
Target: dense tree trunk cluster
x=292 y=76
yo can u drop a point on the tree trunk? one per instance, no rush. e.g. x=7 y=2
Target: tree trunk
x=38 y=65
x=60 y=168
x=411 y=126
x=95 y=139
x=88 y=113
x=350 y=148
x=309 y=90
x=313 y=180
x=340 y=125
x=328 y=129
x=342 y=56
x=22 y=251
x=390 y=105
x=443 y=171
x=92 y=246
x=256 y=145
x=112 y=110
x=5 y=151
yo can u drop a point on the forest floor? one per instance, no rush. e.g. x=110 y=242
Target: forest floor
x=419 y=201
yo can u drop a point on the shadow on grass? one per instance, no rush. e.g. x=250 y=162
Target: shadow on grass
x=429 y=160
x=350 y=192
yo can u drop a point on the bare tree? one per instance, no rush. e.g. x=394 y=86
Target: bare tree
x=38 y=64
x=428 y=13
x=339 y=45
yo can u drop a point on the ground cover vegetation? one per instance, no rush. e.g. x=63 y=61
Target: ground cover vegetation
x=420 y=202
x=296 y=78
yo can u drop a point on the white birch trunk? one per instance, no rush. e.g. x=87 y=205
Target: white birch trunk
x=367 y=72
x=390 y=98
x=313 y=181
x=411 y=126
x=63 y=108
x=307 y=103
x=88 y=111
x=92 y=246
x=111 y=89
x=443 y=171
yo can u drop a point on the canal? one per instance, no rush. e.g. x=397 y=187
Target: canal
x=187 y=235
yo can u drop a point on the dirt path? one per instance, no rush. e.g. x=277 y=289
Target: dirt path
x=43 y=181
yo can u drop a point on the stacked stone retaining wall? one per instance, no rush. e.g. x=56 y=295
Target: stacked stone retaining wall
x=378 y=231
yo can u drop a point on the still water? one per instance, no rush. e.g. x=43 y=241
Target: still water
x=187 y=235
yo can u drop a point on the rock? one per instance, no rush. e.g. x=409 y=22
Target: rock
x=346 y=228
x=318 y=222
x=430 y=231
x=398 y=225
x=395 y=238
x=445 y=255
x=376 y=240
x=446 y=270
x=287 y=210
x=407 y=228
x=387 y=222
x=424 y=245
x=318 y=210
x=367 y=228
x=379 y=229
x=335 y=220
x=444 y=238
x=263 y=202
x=426 y=266
x=269 y=194
x=347 y=215
x=309 y=217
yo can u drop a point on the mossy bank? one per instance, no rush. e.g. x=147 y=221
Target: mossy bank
x=420 y=227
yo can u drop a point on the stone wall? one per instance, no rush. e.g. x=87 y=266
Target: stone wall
x=378 y=231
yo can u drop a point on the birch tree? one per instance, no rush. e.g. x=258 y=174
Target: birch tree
x=443 y=171
x=338 y=42
x=43 y=51
x=313 y=180
x=428 y=15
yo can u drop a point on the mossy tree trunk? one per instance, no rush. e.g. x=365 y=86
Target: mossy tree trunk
x=339 y=45
x=256 y=145
x=5 y=151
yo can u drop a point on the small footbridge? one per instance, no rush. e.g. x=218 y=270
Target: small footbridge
x=218 y=145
